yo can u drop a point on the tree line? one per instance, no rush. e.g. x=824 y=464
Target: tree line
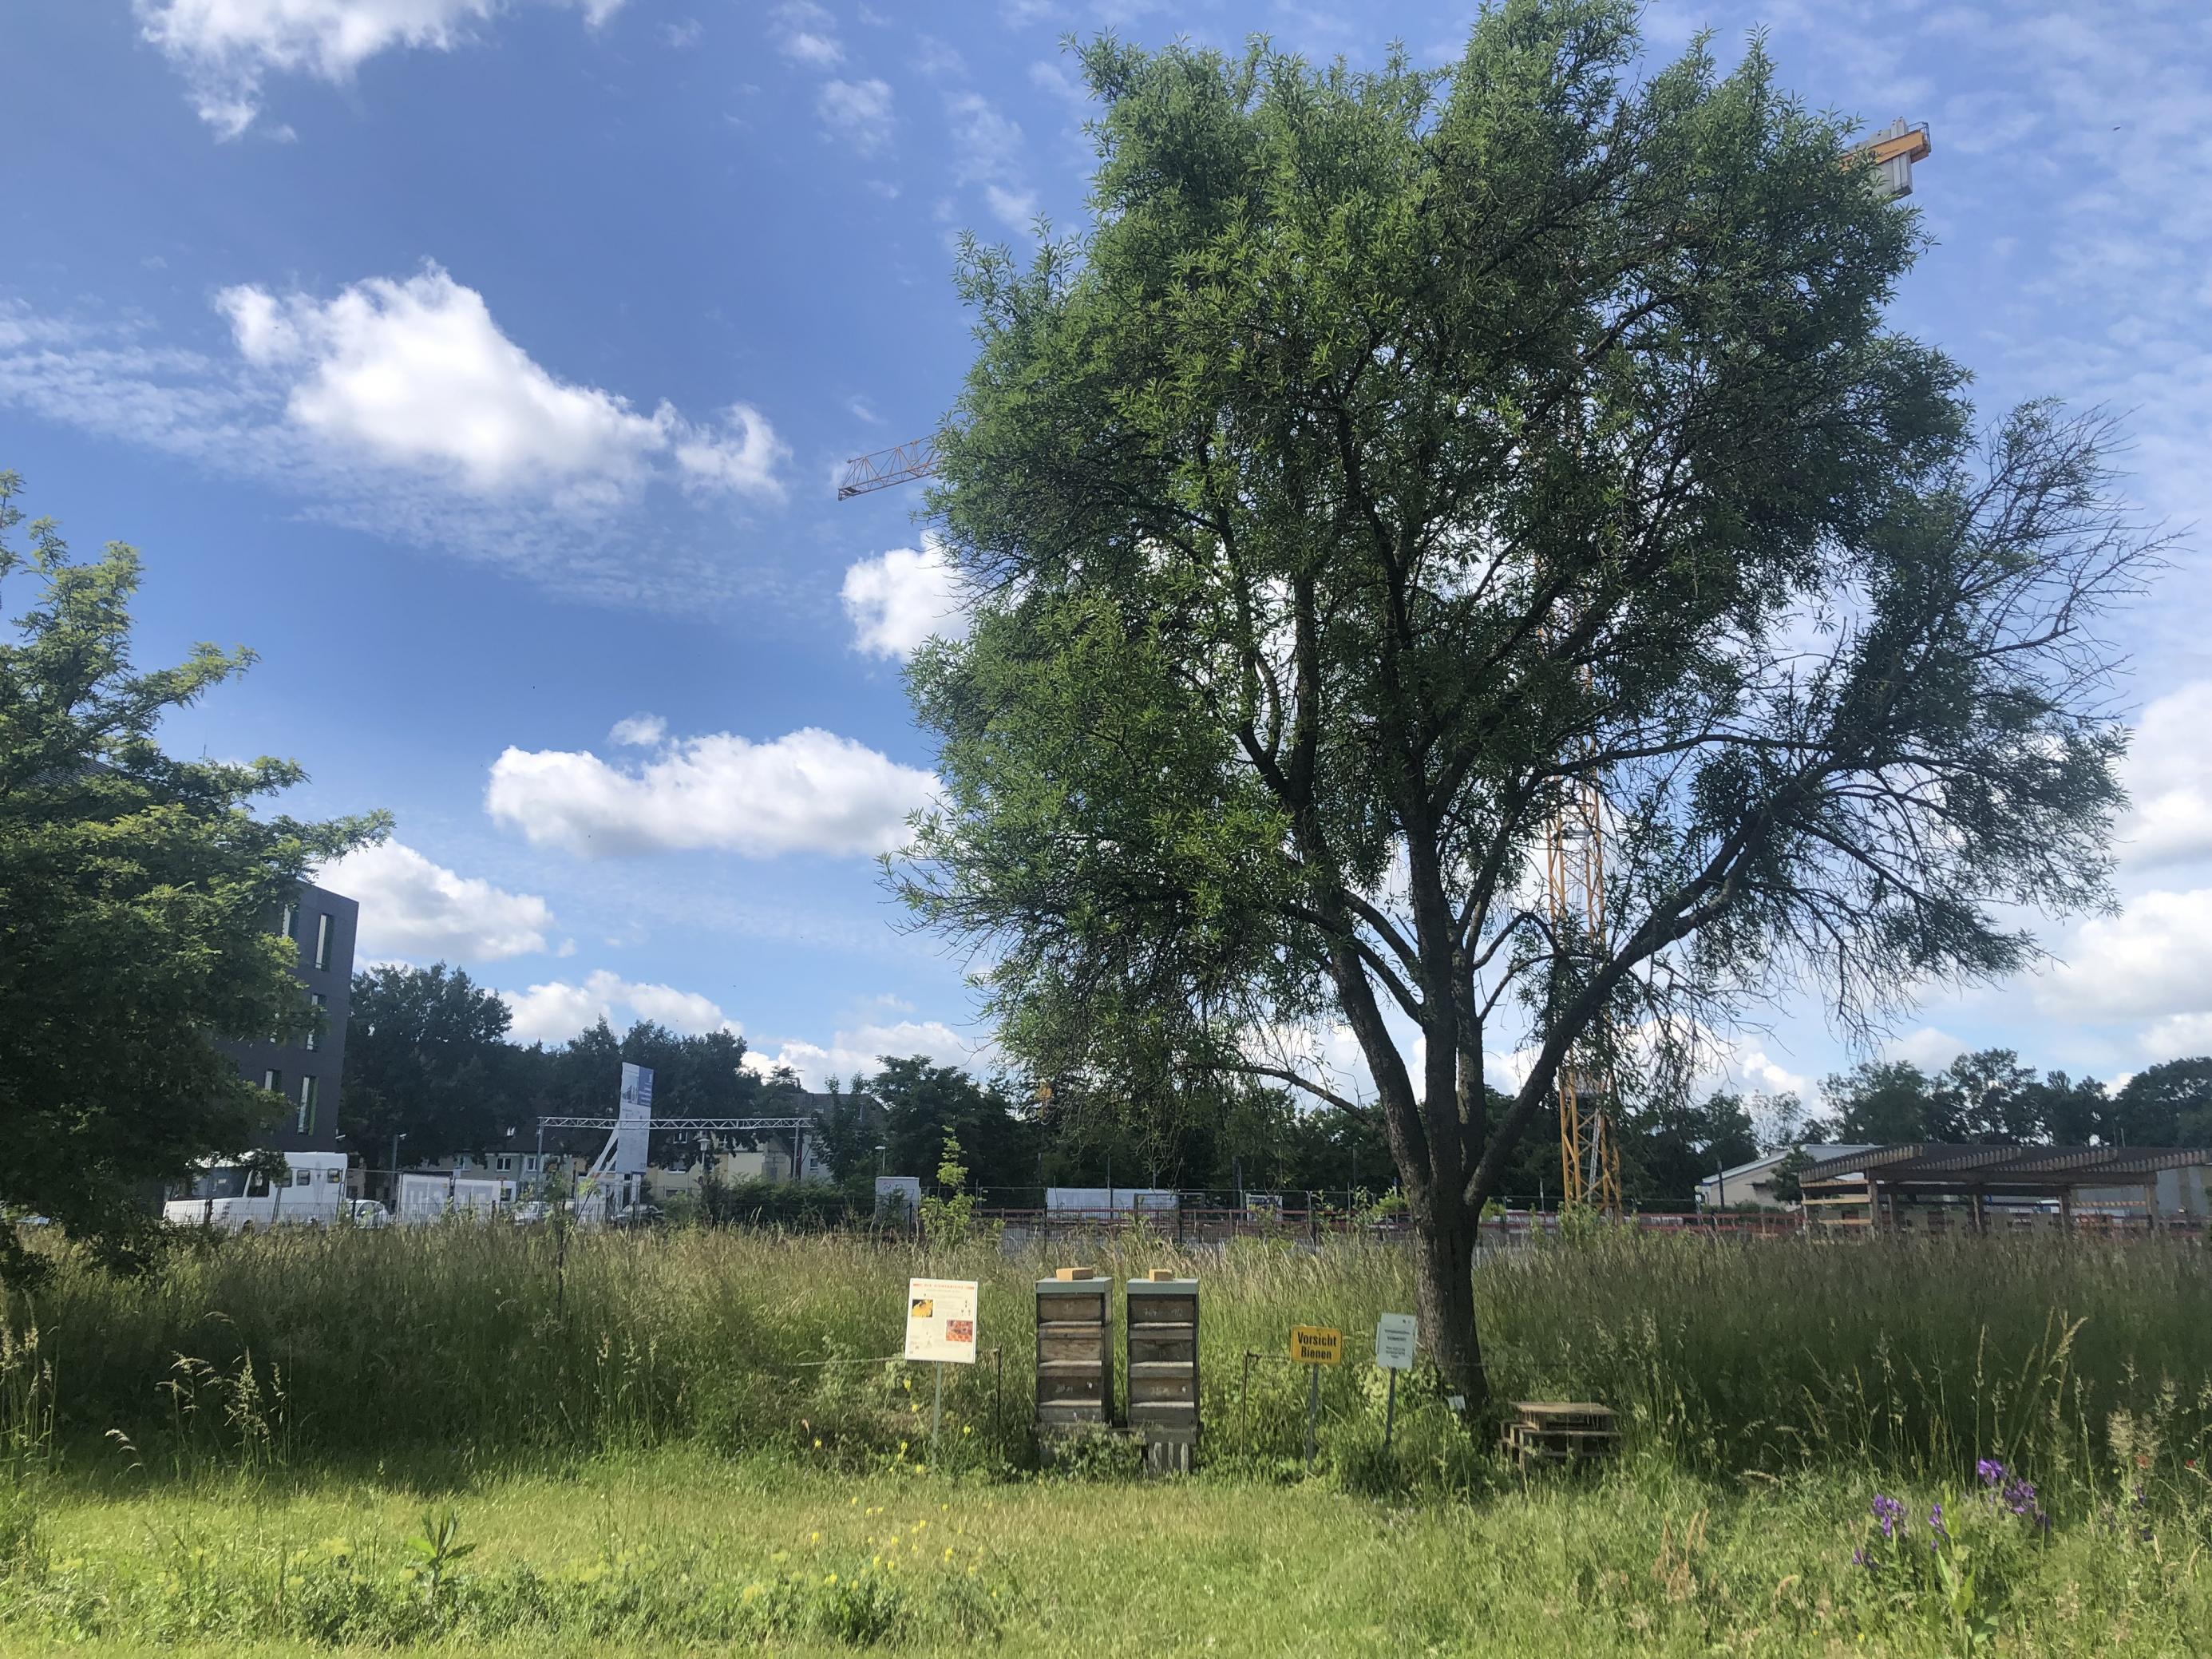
x=427 y=1057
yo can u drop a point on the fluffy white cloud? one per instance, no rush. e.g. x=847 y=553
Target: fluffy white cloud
x=860 y=1049
x=556 y=1011
x=639 y=731
x=1928 y=1048
x=806 y=34
x=2152 y=960
x=2169 y=779
x=225 y=47
x=416 y=375
x=987 y=149
x=809 y=791
x=416 y=911
x=897 y=599
x=858 y=112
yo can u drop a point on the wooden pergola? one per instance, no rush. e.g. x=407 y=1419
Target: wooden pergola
x=1970 y=1176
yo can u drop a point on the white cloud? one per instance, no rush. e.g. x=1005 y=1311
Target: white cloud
x=2169 y=778
x=225 y=47
x=555 y=1012
x=230 y=416
x=988 y=150
x=897 y=599
x=806 y=34
x=416 y=375
x=2178 y=1036
x=683 y=34
x=859 y=1049
x=858 y=112
x=2152 y=960
x=639 y=731
x=415 y=910
x=1928 y=1048
x=808 y=791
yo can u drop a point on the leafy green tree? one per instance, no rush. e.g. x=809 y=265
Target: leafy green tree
x=137 y=899
x=426 y=1057
x=1671 y=1146
x=1406 y=454
x=1883 y=1102
x=2166 y=1105
x=912 y=1104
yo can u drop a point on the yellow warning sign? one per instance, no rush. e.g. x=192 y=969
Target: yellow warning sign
x=1317 y=1345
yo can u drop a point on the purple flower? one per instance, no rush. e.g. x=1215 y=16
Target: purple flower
x=1936 y=1524
x=1991 y=1470
x=1889 y=1511
x=1861 y=1559
x=2018 y=1496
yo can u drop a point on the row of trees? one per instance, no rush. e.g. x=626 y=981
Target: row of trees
x=428 y=1058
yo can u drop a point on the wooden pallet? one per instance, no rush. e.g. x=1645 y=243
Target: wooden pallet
x=1558 y=1431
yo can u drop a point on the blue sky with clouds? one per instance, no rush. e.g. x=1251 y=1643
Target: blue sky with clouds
x=487 y=365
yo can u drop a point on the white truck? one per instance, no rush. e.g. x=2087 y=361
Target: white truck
x=309 y=1192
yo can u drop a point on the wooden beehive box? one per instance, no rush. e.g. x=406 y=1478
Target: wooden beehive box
x=1558 y=1431
x=1164 y=1371
x=1074 y=1354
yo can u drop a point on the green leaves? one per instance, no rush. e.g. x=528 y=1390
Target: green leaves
x=136 y=894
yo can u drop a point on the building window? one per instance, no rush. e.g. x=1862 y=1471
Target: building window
x=310 y=1088
x=287 y=920
x=324 y=934
x=529 y=1164
x=303 y=1178
x=273 y=1081
x=334 y=1175
x=318 y=1002
x=506 y=1162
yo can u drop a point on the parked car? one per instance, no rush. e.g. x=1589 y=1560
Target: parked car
x=637 y=1215
x=366 y=1212
x=535 y=1213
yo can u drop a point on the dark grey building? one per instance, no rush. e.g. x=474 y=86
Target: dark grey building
x=305 y=1070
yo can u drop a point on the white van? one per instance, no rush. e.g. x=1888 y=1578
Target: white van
x=311 y=1193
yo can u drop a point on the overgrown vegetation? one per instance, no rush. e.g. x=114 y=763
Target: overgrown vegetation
x=696 y=1438
x=1907 y=1358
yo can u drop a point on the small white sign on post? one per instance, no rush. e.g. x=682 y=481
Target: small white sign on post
x=940 y=1320
x=1395 y=1337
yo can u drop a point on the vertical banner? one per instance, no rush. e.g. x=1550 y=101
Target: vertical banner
x=633 y=1119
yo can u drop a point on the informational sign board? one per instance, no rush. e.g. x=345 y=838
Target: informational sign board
x=1317 y=1345
x=634 y=1120
x=940 y=1320
x=1395 y=1336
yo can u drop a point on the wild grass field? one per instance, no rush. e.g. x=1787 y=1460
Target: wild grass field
x=503 y=1440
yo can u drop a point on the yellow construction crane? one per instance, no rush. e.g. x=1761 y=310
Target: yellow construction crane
x=1574 y=841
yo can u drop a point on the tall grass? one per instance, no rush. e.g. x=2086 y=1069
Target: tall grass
x=470 y=1345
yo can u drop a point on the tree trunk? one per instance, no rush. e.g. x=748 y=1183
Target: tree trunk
x=1443 y=1279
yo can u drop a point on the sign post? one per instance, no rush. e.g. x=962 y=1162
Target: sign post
x=1314 y=1346
x=1395 y=1337
x=940 y=1327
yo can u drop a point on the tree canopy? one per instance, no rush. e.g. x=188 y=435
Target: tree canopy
x=137 y=895
x=1404 y=458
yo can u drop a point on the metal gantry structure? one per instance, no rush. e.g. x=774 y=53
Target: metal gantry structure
x=1574 y=839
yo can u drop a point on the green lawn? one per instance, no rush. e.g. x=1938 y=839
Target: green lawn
x=681 y=1551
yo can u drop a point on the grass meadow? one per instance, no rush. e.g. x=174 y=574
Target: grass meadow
x=501 y=1440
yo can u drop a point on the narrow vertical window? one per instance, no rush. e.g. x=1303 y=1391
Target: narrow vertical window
x=319 y=1001
x=273 y=1081
x=323 y=933
x=308 y=1091
x=287 y=920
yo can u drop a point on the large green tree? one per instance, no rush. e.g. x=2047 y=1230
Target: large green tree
x=1403 y=456
x=427 y=1057
x=137 y=892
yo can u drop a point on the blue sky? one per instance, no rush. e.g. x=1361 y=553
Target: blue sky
x=487 y=368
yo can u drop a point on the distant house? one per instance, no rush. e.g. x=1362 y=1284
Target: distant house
x=1753 y=1182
